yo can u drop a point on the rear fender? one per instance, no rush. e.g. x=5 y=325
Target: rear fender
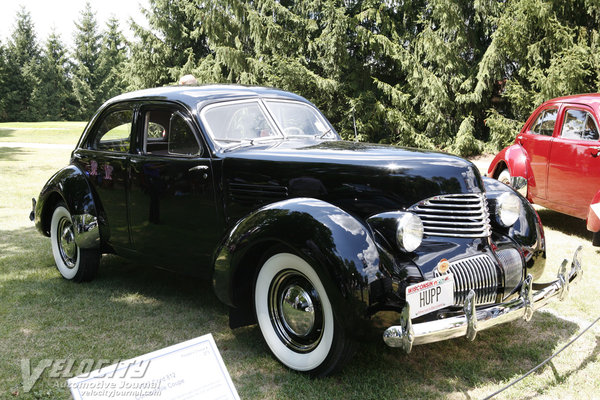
x=70 y=185
x=338 y=246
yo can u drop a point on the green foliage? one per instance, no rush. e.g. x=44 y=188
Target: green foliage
x=86 y=56
x=502 y=130
x=424 y=73
x=53 y=94
x=111 y=62
x=21 y=67
x=465 y=142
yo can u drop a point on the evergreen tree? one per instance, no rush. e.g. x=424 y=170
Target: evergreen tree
x=172 y=46
x=111 y=62
x=22 y=68
x=86 y=81
x=540 y=50
x=3 y=83
x=53 y=96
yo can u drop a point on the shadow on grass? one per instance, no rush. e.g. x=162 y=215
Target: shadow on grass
x=7 y=132
x=564 y=223
x=131 y=309
x=11 y=153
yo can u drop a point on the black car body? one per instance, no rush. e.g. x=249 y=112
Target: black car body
x=306 y=234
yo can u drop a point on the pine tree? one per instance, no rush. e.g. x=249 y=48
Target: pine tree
x=87 y=52
x=540 y=50
x=22 y=68
x=53 y=95
x=172 y=46
x=111 y=62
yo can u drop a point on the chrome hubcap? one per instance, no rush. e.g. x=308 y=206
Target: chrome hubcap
x=295 y=310
x=66 y=242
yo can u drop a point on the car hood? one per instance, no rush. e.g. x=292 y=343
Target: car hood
x=359 y=177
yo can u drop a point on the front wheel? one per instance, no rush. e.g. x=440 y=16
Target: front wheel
x=73 y=262
x=296 y=317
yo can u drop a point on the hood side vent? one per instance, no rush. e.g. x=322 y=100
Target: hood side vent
x=256 y=194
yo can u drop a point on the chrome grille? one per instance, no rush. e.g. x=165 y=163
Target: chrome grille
x=478 y=273
x=455 y=215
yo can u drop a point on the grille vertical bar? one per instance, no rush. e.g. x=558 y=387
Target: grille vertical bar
x=478 y=273
x=455 y=215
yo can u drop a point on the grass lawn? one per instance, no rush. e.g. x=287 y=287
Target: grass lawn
x=41 y=132
x=131 y=309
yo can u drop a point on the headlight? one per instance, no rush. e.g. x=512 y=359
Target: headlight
x=410 y=232
x=508 y=209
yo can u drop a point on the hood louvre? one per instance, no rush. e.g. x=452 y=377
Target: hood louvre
x=454 y=215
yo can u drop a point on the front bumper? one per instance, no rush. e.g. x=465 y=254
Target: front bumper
x=532 y=297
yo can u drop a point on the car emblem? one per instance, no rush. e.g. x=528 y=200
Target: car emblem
x=443 y=266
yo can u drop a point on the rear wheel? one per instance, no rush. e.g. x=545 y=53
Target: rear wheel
x=73 y=262
x=296 y=317
x=504 y=177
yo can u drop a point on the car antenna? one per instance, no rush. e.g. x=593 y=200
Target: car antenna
x=354 y=124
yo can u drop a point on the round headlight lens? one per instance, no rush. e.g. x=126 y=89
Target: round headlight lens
x=508 y=209
x=410 y=232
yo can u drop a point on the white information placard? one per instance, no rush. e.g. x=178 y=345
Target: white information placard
x=185 y=371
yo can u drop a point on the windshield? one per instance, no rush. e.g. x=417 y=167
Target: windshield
x=298 y=119
x=244 y=122
x=237 y=122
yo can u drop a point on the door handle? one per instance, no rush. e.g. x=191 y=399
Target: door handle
x=594 y=151
x=203 y=168
x=199 y=168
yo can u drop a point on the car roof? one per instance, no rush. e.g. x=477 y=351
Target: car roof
x=194 y=95
x=586 y=98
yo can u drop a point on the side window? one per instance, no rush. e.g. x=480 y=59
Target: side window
x=166 y=133
x=544 y=124
x=579 y=125
x=113 y=133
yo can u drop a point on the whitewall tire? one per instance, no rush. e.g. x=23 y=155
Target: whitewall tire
x=296 y=317
x=72 y=262
x=504 y=177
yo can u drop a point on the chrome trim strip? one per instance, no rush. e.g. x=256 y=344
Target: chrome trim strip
x=406 y=334
x=87 y=231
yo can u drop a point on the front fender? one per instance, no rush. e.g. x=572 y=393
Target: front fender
x=338 y=246
x=527 y=232
x=593 y=217
x=515 y=159
x=70 y=185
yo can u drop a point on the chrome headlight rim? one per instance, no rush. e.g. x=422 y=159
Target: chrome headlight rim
x=409 y=233
x=508 y=209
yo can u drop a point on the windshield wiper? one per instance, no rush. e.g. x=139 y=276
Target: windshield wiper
x=321 y=136
x=243 y=143
x=250 y=142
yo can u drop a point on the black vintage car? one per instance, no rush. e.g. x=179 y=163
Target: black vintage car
x=303 y=233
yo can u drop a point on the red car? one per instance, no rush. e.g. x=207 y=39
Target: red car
x=554 y=160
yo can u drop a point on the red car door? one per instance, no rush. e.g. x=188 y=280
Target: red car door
x=536 y=139
x=574 y=170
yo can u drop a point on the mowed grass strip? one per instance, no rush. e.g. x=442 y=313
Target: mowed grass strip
x=132 y=309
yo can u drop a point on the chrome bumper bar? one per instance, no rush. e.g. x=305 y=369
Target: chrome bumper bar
x=531 y=297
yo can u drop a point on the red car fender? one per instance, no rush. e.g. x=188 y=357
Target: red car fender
x=515 y=159
x=593 y=217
